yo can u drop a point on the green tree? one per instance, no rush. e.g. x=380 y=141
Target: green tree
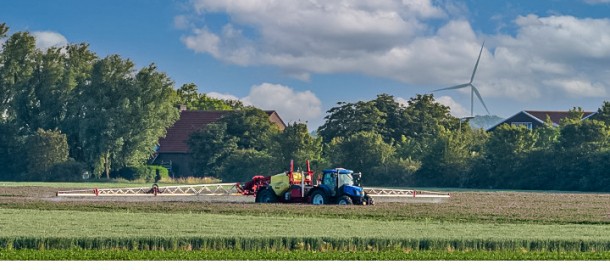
x=603 y=113
x=188 y=95
x=295 y=143
x=505 y=151
x=548 y=135
x=17 y=64
x=77 y=77
x=149 y=114
x=584 y=136
x=394 y=126
x=349 y=119
x=364 y=151
x=123 y=115
x=425 y=117
x=242 y=164
x=12 y=156
x=252 y=127
x=210 y=147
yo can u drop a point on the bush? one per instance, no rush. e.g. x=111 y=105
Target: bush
x=147 y=173
x=44 y=150
x=241 y=165
x=67 y=171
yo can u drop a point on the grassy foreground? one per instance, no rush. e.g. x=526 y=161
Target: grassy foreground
x=36 y=225
x=63 y=223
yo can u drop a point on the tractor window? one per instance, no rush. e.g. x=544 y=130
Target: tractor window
x=346 y=179
x=328 y=179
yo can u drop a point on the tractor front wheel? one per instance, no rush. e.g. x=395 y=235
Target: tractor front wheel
x=345 y=200
x=266 y=196
x=369 y=200
x=318 y=197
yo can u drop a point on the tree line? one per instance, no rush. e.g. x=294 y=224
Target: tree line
x=419 y=145
x=66 y=110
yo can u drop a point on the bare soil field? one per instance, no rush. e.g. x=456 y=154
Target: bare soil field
x=480 y=207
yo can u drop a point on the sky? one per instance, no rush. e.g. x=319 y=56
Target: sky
x=302 y=57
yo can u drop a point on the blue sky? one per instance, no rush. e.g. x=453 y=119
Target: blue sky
x=302 y=57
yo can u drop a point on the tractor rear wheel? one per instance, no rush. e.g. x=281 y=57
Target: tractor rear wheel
x=345 y=200
x=266 y=196
x=319 y=197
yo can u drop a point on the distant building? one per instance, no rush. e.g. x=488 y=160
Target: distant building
x=174 y=152
x=535 y=119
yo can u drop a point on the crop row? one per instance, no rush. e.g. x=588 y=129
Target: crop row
x=153 y=255
x=301 y=244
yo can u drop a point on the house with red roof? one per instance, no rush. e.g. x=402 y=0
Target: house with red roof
x=535 y=119
x=173 y=151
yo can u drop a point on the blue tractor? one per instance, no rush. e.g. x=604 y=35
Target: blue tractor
x=340 y=186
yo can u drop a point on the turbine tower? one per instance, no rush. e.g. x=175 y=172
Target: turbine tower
x=473 y=89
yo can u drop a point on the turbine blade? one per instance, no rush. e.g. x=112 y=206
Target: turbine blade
x=476 y=91
x=477 y=64
x=452 y=87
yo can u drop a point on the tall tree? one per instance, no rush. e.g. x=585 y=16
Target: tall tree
x=295 y=143
x=393 y=128
x=362 y=151
x=350 y=118
x=506 y=148
x=424 y=117
x=123 y=115
x=210 y=147
x=149 y=114
x=77 y=77
x=18 y=61
x=252 y=127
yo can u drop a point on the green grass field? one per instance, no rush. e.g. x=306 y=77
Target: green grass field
x=471 y=225
x=63 y=223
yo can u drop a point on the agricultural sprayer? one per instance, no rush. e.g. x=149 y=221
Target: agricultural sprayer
x=335 y=186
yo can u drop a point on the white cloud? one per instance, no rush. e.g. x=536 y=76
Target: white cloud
x=181 y=22
x=292 y=106
x=577 y=88
x=203 y=41
x=595 y=2
x=402 y=101
x=310 y=36
x=397 y=39
x=221 y=96
x=48 y=39
x=457 y=109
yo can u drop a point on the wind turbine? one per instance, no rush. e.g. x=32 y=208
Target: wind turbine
x=473 y=89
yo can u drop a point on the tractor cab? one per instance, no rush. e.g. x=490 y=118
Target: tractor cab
x=342 y=186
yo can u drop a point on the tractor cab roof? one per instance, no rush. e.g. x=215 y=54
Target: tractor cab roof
x=338 y=170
